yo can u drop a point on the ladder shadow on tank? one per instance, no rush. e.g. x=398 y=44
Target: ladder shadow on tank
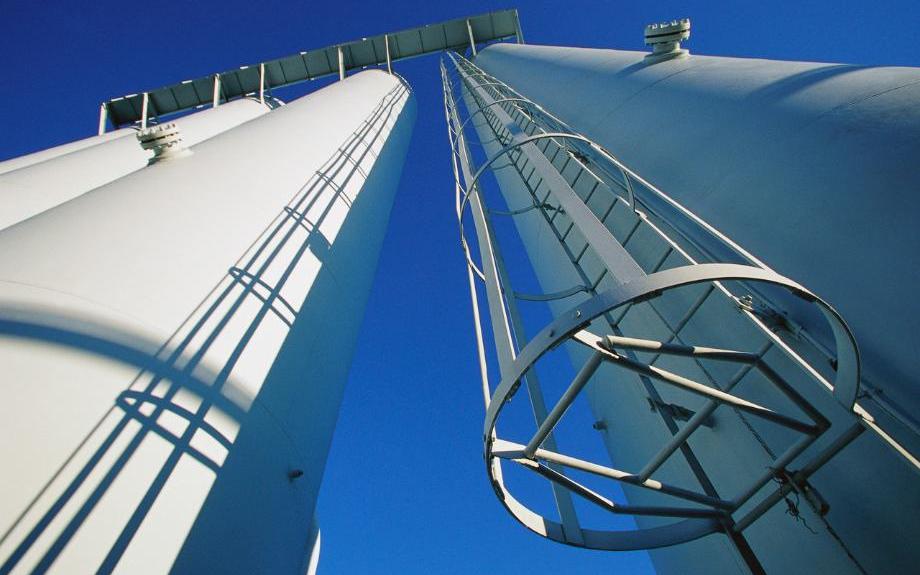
x=790 y=85
x=178 y=366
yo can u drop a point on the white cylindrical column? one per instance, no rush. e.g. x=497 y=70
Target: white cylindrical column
x=236 y=279
x=806 y=165
x=801 y=164
x=51 y=177
x=49 y=153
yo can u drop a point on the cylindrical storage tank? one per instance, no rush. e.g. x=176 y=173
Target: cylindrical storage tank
x=39 y=186
x=49 y=153
x=175 y=343
x=779 y=156
x=808 y=166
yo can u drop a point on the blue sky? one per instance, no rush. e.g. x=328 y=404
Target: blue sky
x=405 y=490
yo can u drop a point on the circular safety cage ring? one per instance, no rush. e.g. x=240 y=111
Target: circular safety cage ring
x=690 y=523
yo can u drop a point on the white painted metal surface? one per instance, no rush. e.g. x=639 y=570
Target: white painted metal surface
x=806 y=165
x=46 y=154
x=175 y=343
x=686 y=125
x=60 y=174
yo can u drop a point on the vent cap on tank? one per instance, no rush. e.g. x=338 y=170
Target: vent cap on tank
x=665 y=39
x=165 y=141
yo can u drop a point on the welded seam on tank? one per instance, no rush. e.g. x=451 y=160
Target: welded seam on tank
x=588 y=73
x=733 y=168
x=851 y=103
x=95 y=303
x=636 y=94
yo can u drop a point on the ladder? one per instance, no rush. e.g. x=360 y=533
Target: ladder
x=648 y=279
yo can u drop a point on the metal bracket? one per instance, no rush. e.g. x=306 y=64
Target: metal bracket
x=677 y=412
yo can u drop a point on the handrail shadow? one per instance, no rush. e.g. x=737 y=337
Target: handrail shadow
x=179 y=361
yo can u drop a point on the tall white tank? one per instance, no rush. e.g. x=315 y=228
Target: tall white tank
x=49 y=153
x=806 y=166
x=809 y=166
x=65 y=172
x=175 y=343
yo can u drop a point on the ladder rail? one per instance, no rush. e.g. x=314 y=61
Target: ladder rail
x=527 y=145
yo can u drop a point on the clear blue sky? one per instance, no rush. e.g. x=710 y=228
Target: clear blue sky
x=405 y=490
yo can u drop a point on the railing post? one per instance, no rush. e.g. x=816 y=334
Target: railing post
x=386 y=43
x=216 y=95
x=145 y=101
x=262 y=83
x=341 y=63
x=469 y=28
x=518 y=33
x=103 y=116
